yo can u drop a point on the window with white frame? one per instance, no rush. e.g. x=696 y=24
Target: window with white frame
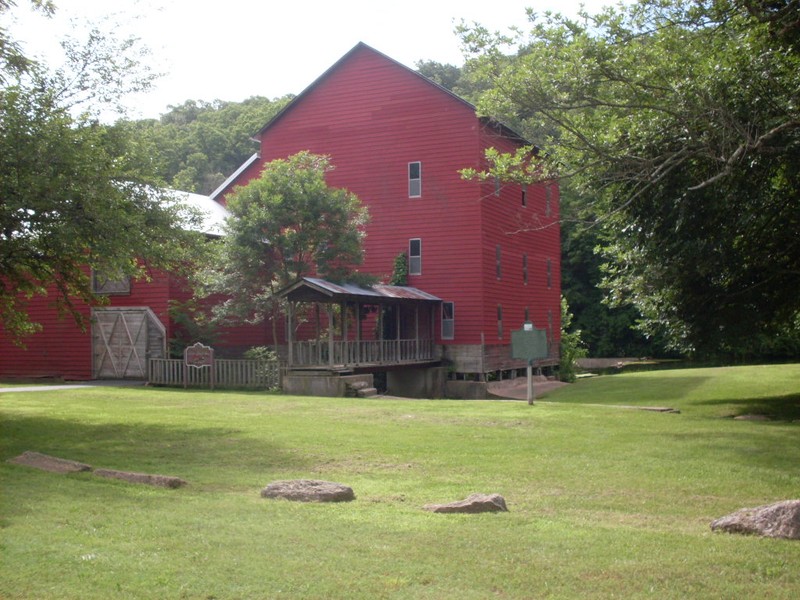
x=414 y=179
x=448 y=320
x=415 y=256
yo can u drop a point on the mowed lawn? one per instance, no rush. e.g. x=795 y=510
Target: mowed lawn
x=605 y=501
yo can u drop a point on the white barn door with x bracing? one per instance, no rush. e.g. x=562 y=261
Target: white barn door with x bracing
x=123 y=339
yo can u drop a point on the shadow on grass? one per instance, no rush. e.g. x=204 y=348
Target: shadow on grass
x=777 y=408
x=140 y=447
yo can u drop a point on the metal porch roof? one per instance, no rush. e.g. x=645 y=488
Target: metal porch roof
x=313 y=289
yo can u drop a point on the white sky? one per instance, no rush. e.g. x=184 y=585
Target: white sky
x=234 y=49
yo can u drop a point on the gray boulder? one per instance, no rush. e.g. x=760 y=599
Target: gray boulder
x=308 y=490
x=779 y=520
x=475 y=503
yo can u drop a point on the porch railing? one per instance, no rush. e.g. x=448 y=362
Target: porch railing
x=366 y=352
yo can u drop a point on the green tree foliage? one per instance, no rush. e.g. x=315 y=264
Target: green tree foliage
x=201 y=143
x=681 y=118
x=605 y=330
x=13 y=61
x=572 y=346
x=76 y=194
x=286 y=224
x=400 y=270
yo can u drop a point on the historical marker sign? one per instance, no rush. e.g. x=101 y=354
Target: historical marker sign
x=198 y=356
x=529 y=344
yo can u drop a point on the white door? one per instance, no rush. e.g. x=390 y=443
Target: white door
x=122 y=341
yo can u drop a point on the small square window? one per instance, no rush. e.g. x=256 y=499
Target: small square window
x=414 y=179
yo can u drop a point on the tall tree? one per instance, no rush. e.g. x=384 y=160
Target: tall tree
x=76 y=194
x=286 y=224
x=681 y=117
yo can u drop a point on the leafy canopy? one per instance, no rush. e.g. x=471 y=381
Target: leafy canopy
x=680 y=118
x=77 y=195
x=286 y=224
x=201 y=143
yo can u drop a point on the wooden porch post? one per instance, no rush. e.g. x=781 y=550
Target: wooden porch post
x=358 y=332
x=331 y=333
x=416 y=331
x=380 y=333
x=319 y=334
x=345 y=335
x=397 y=323
x=289 y=327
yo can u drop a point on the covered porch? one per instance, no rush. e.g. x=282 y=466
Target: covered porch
x=349 y=327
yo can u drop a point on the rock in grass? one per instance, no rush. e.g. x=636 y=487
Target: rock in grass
x=52 y=464
x=145 y=478
x=475 y=503
x=308 y=490
x=779 y=520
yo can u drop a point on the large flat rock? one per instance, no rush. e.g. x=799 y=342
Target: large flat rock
x=166 y=481
x=475 y=503
x=52 y=464
x=308 y=490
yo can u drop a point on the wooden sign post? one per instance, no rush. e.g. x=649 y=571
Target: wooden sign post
x=529 y=344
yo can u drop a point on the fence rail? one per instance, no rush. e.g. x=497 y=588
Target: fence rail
x=255 y=374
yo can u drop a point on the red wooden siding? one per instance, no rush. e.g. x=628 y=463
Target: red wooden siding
x=373 y=116
x=61 y=349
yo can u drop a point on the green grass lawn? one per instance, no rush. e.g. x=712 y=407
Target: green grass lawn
x=604 y=502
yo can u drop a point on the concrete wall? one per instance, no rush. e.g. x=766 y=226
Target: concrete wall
x=320 y=383
x=417 y=383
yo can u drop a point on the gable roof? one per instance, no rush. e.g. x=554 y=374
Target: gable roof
x=361 y=46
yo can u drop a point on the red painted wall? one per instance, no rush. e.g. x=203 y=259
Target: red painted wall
x=373 y=116
x=61 y=349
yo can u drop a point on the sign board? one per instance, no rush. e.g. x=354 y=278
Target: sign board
x=198 y=356
x=529 y=344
